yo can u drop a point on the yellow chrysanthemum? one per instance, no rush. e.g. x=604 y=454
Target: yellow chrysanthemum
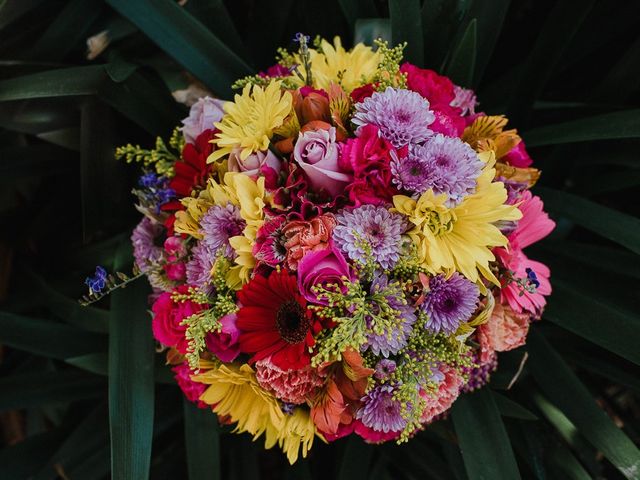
x=460 y=238
x=250 y=120
x=350 y=69
x=234 y=391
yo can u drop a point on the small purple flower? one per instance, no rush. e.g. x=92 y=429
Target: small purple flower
x=444 y=164
x=402 y=116
x=370 y=228
x=98 y=281
x=199 y=267
x=465 y=99
x=219 y=224
x=384 y=368
x=380 y=411
x=449 y=302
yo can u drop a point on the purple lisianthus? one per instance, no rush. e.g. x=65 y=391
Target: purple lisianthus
x=449 y=302
x=370 y=231
x=402 y=116
x=322 y=268
x=203 y=114
x=316 y=152
x=380 y=411
x=219 y=224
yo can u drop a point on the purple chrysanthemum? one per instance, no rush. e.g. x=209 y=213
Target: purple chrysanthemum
x=384 y=368
x=444 y=164
x=144 y=239
x=390 y=342
x=203 y=257
x=380 y=411
x=219 y=224
x=449 y=302
x=402 y=116
x=370 y=231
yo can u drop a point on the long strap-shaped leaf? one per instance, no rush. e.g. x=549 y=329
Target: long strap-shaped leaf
x=131 y=383
x=406 y=25
x=202 y=440
x=565 y=390
x=616 y=226
x=461 y=65
x=623 y=124
x=188 y=41
x=485 y=446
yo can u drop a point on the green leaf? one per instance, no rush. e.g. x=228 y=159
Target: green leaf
x=11 y=11
x=356 y=9
x=564 y=389
x=186 y=40
x=440 y=19
x=131 y=382
x=610 y=126
x=47 y=338
x=509 y=408
x=369 y=29
x=476 y=418
x=348 y=468
x=611 y=224
x=566 y=464
x=23 y=459
x=97 y=363
x=202 y=441
x=42 y=388
x=406 y=26
x=461 y=65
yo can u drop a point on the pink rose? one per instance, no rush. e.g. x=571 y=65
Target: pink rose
x=168 y=316
x=224 y=344
x=254 y=164
x=518 y=156
x=504 y=331
x=322 y=267
x=192 y=390
x=316 y=151
x=203 y=114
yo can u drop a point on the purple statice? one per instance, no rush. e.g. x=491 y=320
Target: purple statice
x=449 y=302
x=402 y=116
x=444 y=164
x=465 y=99
x=147 y=243
x=369 y=232
x=219 y=224
x=199 y=267
x=480 y=374
x=384 y=368
x=392 y=340
x=154 y=191
x=380 y=411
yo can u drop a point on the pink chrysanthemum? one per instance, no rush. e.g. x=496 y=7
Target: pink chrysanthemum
x=291 y=386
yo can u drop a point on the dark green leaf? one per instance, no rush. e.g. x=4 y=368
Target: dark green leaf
x=616 y=226
x=356 y=9
x=11 y=11
x=131 y=383
x=369 y=29
x=440 y=18
x=47 y=338
x=25 y=458
x=623 y=124
x=186 y=40
x=355 y=448
x=62 y=82
x=202 y=442
x=476 y=418
x=461 y=65
x=567 y=465
x=406 y=26
x=509 y=408
x=97 y=363
x=564 y=389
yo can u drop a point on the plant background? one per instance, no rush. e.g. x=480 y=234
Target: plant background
x=82 y=394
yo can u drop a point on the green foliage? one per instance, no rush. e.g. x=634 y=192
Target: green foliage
x=91 y=399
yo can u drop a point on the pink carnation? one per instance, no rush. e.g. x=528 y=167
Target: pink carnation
x=504 y=331
x=192 y=390
x=440 y=401
x=168 y=316
x=292 y=386
x=373 y=436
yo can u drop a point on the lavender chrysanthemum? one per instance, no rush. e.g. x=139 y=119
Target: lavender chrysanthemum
x=369 y=232
x=444 y=164
x=380 y=411
x=199 y=267
x=219 y=224
x=144 y=238
x=402 y=116
x=449 y=302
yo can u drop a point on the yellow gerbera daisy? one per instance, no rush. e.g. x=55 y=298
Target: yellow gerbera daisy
x=250 y=120
x=234 y=391
x=460 y=238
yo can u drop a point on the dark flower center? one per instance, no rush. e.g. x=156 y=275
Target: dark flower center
x=449 y=304
x=291 y=322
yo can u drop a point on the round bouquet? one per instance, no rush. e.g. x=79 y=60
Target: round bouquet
x=338 y=250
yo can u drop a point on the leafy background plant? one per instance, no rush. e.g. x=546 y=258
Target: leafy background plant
x=82 y=394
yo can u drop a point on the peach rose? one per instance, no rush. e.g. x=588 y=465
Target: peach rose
x=307 y=236
x=504 y=331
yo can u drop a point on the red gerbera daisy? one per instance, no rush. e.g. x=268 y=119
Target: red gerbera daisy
x=274 y=321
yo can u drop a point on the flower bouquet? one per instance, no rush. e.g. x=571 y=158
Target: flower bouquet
x=338 y=250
